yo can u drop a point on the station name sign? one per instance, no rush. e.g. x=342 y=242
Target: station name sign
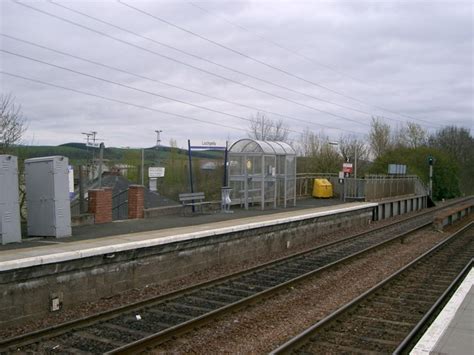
x=209 y=143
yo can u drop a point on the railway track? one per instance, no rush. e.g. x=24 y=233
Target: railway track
x=136 y=327
x=389 y=317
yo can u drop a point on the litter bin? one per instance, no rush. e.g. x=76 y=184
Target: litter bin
x=322 y=188
x=225 y=199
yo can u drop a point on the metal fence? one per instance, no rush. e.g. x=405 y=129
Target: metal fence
x=120 y=205
x=370 y=188
x=304 y=182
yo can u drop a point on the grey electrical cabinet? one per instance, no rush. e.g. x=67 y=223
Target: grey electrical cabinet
x=10 y=230
x=47 y=196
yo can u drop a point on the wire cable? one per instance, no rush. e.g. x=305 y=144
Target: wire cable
x=133 y=88
x=272 y=42
x=140 y=90
x=119 y=101
x=168 y=84
x=187 y=64
x=218 y=64
x=256 y=60
x=210 y=61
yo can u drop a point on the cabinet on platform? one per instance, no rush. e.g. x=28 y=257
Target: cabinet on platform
x=10 y=229
x=47 y=196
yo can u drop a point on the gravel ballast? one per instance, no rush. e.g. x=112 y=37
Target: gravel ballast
x=261 y=328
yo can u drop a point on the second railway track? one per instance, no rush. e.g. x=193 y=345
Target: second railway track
x=383 y=317
x=135 y=327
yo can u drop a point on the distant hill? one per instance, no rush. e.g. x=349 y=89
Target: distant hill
x=79 y=153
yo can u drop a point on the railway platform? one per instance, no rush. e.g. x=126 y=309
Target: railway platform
x=452 y=332
x=104 y=260
x=130 y=234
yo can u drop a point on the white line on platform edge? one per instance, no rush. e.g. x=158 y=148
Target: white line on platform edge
x=436 y=330
x=109 y=249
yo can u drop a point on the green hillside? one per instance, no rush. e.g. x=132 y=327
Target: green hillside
x=78 y=153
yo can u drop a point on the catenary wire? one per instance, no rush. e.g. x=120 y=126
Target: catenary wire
x=256 y=60
x=168 y=84
x=224 y=67
x=186 y=64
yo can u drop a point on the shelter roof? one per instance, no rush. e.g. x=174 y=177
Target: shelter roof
x=248 y=145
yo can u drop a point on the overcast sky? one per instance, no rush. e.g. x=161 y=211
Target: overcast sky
x=323 y=65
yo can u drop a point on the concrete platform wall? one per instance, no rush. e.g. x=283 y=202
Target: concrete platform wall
x=26 y=293
x=391 y=208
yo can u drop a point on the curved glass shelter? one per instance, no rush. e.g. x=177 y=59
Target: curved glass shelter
x=262 y=172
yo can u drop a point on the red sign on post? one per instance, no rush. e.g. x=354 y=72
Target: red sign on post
x=347 y=168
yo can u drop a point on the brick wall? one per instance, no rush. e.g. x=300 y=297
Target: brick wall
x=100 y=204
x=136 y=201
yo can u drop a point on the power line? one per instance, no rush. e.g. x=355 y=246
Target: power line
x=167 y=84
x=137 y=89
x=224 y=67
x=213 y=62
x=185 y=64
x=119 y=101
x=272 y=42
x=256 y=60
x=131 y=87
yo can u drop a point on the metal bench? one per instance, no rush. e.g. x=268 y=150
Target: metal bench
x=253 y=196
x=193 y=199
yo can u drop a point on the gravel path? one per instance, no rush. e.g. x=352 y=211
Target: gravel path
x=261 y=328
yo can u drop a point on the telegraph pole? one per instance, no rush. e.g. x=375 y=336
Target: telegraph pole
x=355 y=162
x=158 y=141
x=143 y=167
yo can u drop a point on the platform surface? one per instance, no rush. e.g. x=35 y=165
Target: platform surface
x=452 y=332
x=46 y=251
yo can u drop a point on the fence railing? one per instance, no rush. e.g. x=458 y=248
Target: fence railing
x=370 y=188
x=304 y=182
x=120 y=205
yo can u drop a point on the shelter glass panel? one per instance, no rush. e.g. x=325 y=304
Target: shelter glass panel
x=262 y=172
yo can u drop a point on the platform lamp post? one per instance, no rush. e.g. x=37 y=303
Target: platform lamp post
x=355 y=169
x=343 y=197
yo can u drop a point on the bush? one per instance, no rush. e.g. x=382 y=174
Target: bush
x=445 y=169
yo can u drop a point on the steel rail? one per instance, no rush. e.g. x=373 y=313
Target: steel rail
x=172 y=332
x=59 y=329
x=410 y=341
x=304 y=336
x=85 y=321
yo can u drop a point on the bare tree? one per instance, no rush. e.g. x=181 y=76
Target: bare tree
x=12 y=123
x=265 y=129
x=416 y=135
x=349 y=145
x=379 y=137
x=319 y=155
x=410 y=135
x=309 y=144
x=456 y=141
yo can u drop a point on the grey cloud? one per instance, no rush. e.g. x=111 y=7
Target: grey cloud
x=414 y=58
